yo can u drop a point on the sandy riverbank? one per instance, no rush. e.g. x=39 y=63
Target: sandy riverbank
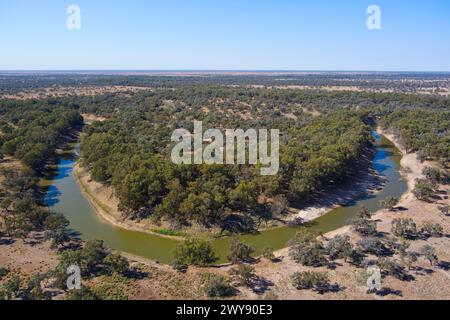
x=411 y=167
x=367 y=183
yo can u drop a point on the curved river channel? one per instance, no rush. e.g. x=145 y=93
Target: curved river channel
x=64 y=195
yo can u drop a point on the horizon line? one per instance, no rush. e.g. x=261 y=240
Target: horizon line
x=216 y=71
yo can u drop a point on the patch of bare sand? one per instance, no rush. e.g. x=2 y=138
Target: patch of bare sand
x=90 y=118
x=9 y=163
x=27 y=258
x=342 y=195
x=162 y=282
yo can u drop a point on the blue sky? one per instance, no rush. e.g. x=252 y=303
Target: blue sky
x=225 y=35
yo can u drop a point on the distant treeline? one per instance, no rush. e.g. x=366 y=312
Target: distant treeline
x=262 y=103
x=402 y=82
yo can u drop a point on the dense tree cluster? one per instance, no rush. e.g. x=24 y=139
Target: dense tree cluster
x=422 y=130
x=131 y=152
x=131 y=149
x=32 y=130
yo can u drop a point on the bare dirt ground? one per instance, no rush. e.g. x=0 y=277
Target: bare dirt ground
x=162 y=282
x=89 y=118
x=27 y=257
x=9 y=163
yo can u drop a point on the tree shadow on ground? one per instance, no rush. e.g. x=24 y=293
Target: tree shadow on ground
x=278 y=259
x=332 y=265
x=137 y=274
x=423 y=271
x=6 y=241
x=238 y=224
x=330 y=288
x=383 y=292
x=260 y=285
x=400 y=208
x=444 y=265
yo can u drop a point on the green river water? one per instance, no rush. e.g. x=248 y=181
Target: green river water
x=64 y=195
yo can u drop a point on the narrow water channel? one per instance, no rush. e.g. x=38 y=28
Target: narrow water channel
x=64 y=195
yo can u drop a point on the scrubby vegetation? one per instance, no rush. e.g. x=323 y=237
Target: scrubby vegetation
x=339 y=247
x=218 y=287
x=411 y=82
x=311 y=280
x=194 y=252
x=307 y=250
x=239 y=251
x=405 y=228
x=363 y=224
